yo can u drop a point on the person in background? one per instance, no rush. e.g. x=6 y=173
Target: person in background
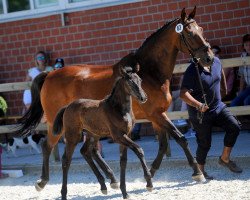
x=41 y=61
x=206 y=112
x=59 y=63
x=230 y=75
x=243 y=98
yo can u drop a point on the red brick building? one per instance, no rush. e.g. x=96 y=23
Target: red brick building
x=104 y=32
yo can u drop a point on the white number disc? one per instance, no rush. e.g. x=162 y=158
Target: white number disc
x=179 y=28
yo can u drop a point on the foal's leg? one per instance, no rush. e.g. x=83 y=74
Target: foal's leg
x=126 y=141
x=86 y=152
x=105 y=168
x=66 y=161
x=123 y=165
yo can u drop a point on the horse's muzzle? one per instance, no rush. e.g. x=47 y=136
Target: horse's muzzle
x=207 y=60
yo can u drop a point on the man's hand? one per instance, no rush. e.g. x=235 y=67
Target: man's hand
x=202 y=107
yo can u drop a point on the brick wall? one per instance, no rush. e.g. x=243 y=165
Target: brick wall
x=104 y=35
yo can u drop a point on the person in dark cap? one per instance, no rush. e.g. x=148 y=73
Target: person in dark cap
x=59 y=63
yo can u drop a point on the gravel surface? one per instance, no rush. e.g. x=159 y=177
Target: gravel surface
x=169 y=183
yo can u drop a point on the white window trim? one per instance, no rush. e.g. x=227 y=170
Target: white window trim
x=63 y=7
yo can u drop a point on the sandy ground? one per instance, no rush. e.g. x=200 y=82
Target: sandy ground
x=168 y=184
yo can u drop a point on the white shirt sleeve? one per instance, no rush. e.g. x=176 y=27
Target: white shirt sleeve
x=33 y=72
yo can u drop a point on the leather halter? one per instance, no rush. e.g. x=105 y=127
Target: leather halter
x=192 y=51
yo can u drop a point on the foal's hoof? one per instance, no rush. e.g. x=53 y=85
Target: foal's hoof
x=114 y=186
x=40 y=184
x=105 y=192
x=199 y=178
x=126 y=196
x=150 y=189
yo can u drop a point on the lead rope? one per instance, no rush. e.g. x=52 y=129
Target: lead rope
x=200 y=114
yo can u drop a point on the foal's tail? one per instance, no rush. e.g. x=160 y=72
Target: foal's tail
x=58 y=122
x=33 y=115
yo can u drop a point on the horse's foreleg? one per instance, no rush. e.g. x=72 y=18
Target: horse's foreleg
x=66 y=161
x=46 y=151
x=123 y=165
x=86 y=152
x=182 y=141
x=125 y=140
x=105 y=168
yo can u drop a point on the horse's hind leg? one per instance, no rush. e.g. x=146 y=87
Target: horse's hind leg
x=46 y=151
x=105 y=168
x=163 y=143
x=66 y=161
x=47 y=146
x=86 y=152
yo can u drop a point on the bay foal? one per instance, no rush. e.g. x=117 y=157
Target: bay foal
x=112 y=116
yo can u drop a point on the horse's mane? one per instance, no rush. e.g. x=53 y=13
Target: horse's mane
x=108 y=97
x=156 y=33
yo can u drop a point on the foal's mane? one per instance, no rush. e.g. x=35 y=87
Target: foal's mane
x=156 y=33
x=108 y=97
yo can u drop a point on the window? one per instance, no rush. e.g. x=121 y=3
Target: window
x=73 y=1
x=13 y=10
x=17 y=5
x=1 y=7
x=45 y=3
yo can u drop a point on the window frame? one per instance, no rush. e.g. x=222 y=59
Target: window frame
x=63 y=6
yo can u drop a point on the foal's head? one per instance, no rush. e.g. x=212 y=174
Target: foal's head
x=132 y=83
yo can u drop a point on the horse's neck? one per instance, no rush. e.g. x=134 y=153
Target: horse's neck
x=158 y=57
x=120 y=100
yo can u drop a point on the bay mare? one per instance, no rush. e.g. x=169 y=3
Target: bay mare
x=156 y=56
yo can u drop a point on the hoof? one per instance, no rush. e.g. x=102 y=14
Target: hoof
x=114 y=186
x=126 y=196
x=150 y=189
x=40 y=184
x=104 y=192
x=38 y=188
x=199 y=178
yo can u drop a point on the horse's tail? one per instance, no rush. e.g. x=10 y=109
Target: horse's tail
x=58 y=122
x=33 y=115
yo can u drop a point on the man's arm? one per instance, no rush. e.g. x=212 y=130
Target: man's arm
x=223 y=84
x=190 y=100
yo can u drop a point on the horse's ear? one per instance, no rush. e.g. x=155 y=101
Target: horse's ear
x=122 y=71
x=192 y=14
x=183 y=15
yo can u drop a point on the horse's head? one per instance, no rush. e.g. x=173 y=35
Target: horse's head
x=132 y=83
x=192 y=40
